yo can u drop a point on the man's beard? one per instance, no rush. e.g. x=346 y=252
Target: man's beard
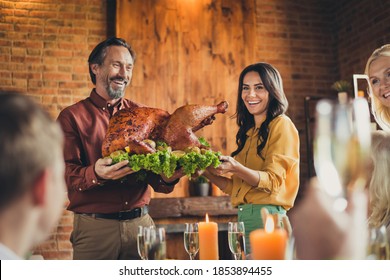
x=115 y=94
x=119 y=92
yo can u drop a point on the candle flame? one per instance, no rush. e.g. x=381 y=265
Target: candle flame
x=269 y=224
x=207 y=218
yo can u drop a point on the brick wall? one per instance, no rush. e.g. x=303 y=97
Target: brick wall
x=44 y=47
x=358 y=31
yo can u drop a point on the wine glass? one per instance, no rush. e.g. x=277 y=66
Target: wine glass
x=141 y=243
x=236 y=238
x=378 y=244
x=342 y=147
x=155 y=243
x=191 y=239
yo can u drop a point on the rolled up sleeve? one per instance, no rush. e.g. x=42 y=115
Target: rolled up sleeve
x=282 y=160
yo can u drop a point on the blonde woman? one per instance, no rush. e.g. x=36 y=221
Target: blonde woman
x=379 y=189
x=378 y=71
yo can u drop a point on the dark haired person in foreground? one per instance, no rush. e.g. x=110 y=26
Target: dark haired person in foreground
x=32 y=186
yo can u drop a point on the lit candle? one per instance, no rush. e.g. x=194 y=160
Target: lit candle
x=208 y=240
x=268 y=244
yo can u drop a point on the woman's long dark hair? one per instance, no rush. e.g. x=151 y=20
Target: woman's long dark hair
x=277 y=105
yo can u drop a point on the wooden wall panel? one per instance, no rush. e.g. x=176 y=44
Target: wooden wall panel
x=189 y=52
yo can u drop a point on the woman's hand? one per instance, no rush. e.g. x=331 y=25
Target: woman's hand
x=232 y=166
x=228 y=164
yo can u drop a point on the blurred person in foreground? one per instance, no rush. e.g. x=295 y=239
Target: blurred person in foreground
x=32 y=186
x=378 y=71
x=379 y=187
x=109 y=200
x=322 y=233
x=265 y=165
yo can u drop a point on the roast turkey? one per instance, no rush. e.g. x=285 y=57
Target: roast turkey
x=131 y=127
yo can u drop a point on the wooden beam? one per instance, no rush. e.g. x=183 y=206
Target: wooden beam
x=161 y=208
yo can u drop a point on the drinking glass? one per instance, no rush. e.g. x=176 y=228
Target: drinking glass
x=236 y=238
x=342 y=147
x=155 y=243
x=191 y=239
x=378 y=244
x=141 y=243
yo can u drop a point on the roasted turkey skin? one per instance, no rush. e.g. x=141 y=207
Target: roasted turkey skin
x=179 y=131
x=131 y=127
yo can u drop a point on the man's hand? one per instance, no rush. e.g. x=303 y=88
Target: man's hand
x=177 y=175
x=105 y=170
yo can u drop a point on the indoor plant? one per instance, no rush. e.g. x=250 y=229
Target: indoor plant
x=343 y=88
x=199 y=186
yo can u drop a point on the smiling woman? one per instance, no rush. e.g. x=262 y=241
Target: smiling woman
x=378 y=71
x=254 y=95
x=265 y=164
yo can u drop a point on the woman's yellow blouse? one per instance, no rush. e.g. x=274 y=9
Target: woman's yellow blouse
x=278 y=171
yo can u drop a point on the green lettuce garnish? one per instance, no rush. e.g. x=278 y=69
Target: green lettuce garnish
x=165 y=162
x=203 y=142
x=119 y=156
x=193 y=161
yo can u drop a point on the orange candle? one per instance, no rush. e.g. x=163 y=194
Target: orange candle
x=208 y=240
x=268 y=244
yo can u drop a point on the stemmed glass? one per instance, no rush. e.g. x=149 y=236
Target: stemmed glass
x=141 y=243
x=342 y=147
x=236 y=238
x=191 y=239
x=155 y=243
x=378 y=244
